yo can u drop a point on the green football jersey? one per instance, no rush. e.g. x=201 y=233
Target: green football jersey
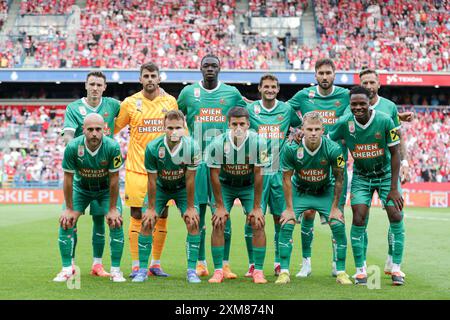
x=76 y=112
x=170 y=165
x=331 y=107
x=92 y=169
x=206 y=110
x=368 y=144
x=312 y=169
x=237 y=163
x=388 y=107
x=273 y=125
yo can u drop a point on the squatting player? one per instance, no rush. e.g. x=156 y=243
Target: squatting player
x=205 y=105
x=91 y=166
x=313 y=172
x=331 y=102
x=171 y=161
x=373 y=141
x=369 y=79
x=144 y=113
x=271 y=119
x=235 y=159
x=108 y=108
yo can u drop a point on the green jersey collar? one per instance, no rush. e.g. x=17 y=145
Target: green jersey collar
x=177 y=148
x=232 y=142
x=312 y=153
x=84 y=100
x=364 y=127
x=318 y=92
x=92 y=153
x=268 y=110
x=200 y=83
x=376 y=103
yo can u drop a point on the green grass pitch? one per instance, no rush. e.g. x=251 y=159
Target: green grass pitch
x=29 y=259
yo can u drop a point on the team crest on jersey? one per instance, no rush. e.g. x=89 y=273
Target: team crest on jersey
x=139 y=105
x=323 y=162
x=378 y=135
x=164 y=110
x=82 y=110
x=105 y=115
x=300 y=153
x=162 y=152
x=197 y=92
x=351 y=126
x=337 y=103
x=311 y=94
x=103 y=162
x=226 y=147
x=81 y=151
x=280 y=118
x=257 y=109
x=222 y=101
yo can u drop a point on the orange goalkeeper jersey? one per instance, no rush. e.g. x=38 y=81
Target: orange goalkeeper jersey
x=145 y=118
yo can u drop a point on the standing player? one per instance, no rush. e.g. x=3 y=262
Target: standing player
x=271 y=119
x=144 y=113
x=108 y=108
x=205 y=105
x=91 y=166
x=235 y=159
x=171 y=161
x=373 y=141
x=310 y=165
x=331 y=102
x=369 y=79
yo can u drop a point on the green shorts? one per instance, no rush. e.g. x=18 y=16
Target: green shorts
x=202 y=184
x=229 y=194
x=363 y=188
x=321 y=202
x=98 y=200
x=163 y=196
x=273 y=195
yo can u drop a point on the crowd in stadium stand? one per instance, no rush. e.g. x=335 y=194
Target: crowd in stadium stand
x=3 y=12
x=273 y=8
x=45 y=7
x=396 y=35
x=388 y=35
x=37 y=155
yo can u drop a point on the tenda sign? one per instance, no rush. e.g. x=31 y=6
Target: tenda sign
x=412 y=79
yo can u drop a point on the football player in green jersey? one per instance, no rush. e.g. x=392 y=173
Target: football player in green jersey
x=313 y=175
x=369 y=79
x=171 y=162
x=373 y=141
x=236 y=158
x=331 y=102
x=91 y=166
x=108 y=108
x=271 y=119
x=205 y=105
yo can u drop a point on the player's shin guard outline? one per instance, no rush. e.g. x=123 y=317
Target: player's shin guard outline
x=285 y=245
x=248 y=234
x=227 y=237
x=339 y=244
x=66 y=245
x=116 y=243
x=307 y=236
x=98 y=236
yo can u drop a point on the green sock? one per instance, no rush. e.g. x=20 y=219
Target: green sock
x=259 y=254
x=307 y=230
x=227 y=237
x=249 y=242
x=217 y=254
x=285 y=245
x=398 y=241
x=339 y=244
x=275 y=242
x=201 y=251
x=75 y=240
x=357 y=239
x=66 y=246
x=366 y=238
x=98 y=236
x=116 y=243
x=145 y=249
x=390 y=239
x=192 y=247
